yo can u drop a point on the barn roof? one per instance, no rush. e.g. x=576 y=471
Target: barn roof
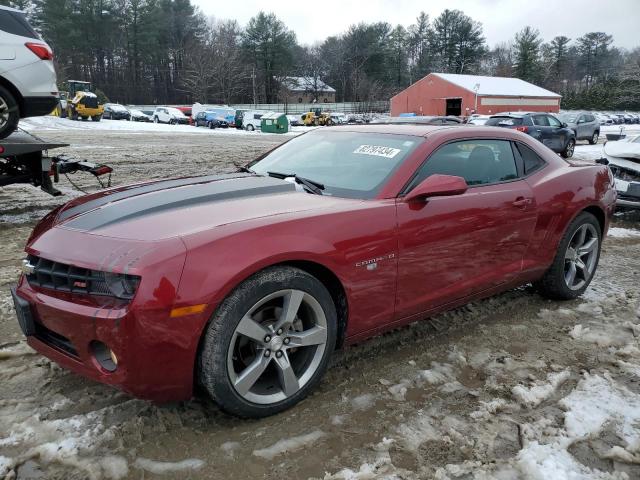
x=499 y=86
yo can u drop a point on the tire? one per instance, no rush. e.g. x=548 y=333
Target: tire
x=84 y=118
x=569 y=149
x=555 y=282
x=96 y=118
x=212 y=125
x=73 y=115
x=226 y=353
x=250 y=128
x=9 y=113
x=155 y=120
x=594 y=138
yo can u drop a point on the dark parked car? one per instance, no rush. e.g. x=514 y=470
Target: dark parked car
x=585 y=125
x=242 y=285
x=209 y=119
x=419 y=120
x=542 y=126
x=115 y=111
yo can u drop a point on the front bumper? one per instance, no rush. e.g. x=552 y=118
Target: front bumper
x=628 y=194
x=155 y=362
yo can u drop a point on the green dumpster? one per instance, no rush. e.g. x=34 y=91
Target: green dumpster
x=274 y=123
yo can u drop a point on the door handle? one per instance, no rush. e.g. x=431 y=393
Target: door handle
x=521 y=202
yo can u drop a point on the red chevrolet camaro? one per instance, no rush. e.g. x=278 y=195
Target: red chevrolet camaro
x=246 y=283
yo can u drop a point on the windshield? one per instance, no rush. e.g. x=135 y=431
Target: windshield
x=348 y=164
x=568 y=118
x=176 y=112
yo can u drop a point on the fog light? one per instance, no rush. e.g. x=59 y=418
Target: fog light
x=104 y=356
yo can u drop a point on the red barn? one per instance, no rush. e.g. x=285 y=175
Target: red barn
x=461 y=95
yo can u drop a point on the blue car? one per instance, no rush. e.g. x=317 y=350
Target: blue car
x=544 y=127
x=209 y=119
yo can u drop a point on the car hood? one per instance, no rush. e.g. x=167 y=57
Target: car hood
x=624 y=154
x=180 y=207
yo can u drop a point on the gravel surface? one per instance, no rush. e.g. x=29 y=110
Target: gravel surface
x=514 y=386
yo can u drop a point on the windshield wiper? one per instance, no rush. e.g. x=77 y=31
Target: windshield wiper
x=312 y=186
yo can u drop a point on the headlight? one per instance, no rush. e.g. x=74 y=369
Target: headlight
x=121 y=285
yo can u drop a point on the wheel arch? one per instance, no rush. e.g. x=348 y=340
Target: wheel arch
x=597 y=212
x=15 y=92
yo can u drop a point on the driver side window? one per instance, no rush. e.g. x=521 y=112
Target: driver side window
x=553 y=121
x=479 y=162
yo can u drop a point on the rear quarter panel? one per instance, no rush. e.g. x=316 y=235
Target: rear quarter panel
x=563 y=190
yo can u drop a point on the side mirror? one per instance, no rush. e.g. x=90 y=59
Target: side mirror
x=564 y=125
x=437 y=186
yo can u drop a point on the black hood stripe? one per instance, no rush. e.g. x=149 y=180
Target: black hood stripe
x=174 y=198
x=142 y=189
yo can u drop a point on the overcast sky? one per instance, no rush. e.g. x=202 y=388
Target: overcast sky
x=501 y=19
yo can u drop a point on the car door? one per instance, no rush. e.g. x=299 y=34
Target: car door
x=582 y=127
x=544 y=131
x=456 y=246
x=558 y=133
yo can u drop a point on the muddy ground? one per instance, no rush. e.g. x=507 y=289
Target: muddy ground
x=510 y=387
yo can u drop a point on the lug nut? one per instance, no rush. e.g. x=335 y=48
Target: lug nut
x=267 y=353
x=279 y=331
x=278 y=354
x=287 y=340
x=267 y=339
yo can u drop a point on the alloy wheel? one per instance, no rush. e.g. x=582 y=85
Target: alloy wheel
x=595 y=137
x=581 y=256
x=4 y=112
x=570 y=148
x=277 y=347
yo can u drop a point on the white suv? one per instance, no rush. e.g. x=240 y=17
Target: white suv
x=169 y=115
x=27 y=77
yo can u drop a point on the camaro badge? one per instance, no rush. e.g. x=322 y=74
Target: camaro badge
x=372 y=263
x=27 y=268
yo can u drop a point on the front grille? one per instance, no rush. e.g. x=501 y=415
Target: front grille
x=69 y=278
x=55 y=340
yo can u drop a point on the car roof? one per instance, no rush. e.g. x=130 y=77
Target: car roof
x=416 y=130
x=10 y=9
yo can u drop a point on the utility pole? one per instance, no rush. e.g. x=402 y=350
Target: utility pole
x=475 y=89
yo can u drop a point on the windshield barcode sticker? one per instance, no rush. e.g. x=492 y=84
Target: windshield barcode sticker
x=378 y=151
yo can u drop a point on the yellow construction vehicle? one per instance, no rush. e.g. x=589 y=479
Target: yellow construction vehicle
x=82 y=102
x=311 y=119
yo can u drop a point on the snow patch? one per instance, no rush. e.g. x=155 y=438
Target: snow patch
x=619 y=232
x=538 y=393
x=162 y=468
x=289 y=444
x=363 y=402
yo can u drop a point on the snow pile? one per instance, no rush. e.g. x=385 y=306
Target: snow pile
x=289 y=444
x=541 y=391
x=619 y=232
x=161 y=468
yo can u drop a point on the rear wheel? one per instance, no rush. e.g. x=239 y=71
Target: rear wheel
x=9 y=113
x=594 y=138
x=96 y=118
x=269 y=343
x=568 y=149
x=250 y=128
x=576 y=260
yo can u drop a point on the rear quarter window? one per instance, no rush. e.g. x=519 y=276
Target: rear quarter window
x=15 y=23
x=531 y=160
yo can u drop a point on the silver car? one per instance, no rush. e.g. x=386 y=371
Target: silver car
x=585 y=125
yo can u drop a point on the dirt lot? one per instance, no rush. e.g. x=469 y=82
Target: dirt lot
x=511 y=387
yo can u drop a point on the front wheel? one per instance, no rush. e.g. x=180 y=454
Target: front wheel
x=155 y=119
x=269 y=343
x=250 y=128
x=96 y=118
x=576 y=260
x=594 y=138
x=568 y=149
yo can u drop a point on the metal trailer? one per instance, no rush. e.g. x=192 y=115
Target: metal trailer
x=24 y=159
